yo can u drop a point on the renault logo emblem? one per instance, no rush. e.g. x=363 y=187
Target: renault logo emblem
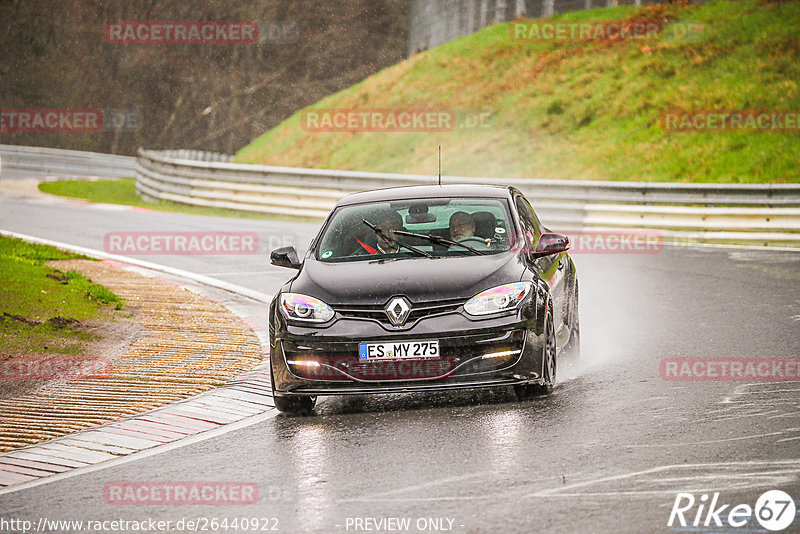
x=397 y=310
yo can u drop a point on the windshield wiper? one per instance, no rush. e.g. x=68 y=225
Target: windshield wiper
x=385 y=236
x=440 y=240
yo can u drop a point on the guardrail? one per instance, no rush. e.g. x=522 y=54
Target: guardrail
x=723 y=213
x=66 y=162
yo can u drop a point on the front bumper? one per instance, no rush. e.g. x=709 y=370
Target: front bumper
x=492 y=352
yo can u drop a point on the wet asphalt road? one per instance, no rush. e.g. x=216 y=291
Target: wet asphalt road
x=608 y=452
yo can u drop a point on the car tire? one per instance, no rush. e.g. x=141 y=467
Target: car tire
x=293 y=405
x=526 y=391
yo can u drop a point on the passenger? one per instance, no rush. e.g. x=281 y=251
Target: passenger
x=362 y=240
x=387 y=222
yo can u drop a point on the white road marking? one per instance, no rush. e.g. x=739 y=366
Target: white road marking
x=237 y=273
x=424 y=485
x=785 y=467
x=734 y=416
x=693 y=443
x=790 y=414
x=382 y=497
x=190 y=440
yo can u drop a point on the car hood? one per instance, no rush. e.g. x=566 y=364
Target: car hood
x=419 y=279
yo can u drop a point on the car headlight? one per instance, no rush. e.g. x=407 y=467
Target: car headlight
x=304 y=308
x=498 y=299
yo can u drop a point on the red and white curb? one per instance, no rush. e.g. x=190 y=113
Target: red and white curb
x=245 y=397
x=244 y=401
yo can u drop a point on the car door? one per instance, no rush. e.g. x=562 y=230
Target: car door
x=551 y=268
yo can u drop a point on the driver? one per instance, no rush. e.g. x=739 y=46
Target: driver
x=462 y=225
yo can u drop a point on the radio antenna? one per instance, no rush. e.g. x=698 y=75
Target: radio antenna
x=440 y=165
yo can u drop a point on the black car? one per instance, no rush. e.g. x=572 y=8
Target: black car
x=424 y=288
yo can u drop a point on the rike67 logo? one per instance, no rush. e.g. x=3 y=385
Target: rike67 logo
x=774 y=510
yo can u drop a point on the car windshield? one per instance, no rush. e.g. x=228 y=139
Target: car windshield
x=417 y=228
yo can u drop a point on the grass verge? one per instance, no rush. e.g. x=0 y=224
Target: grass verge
x=578 y=109
x=41 y=308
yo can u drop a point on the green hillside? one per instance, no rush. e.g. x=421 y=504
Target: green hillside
x=578 y=109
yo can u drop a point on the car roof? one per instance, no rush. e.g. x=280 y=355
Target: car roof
x=427 y=191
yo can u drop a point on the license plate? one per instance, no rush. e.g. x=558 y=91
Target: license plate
x=398 y=350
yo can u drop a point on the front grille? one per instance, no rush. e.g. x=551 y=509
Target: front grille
x=454 y=351
x=418 y=310
x=400 y=370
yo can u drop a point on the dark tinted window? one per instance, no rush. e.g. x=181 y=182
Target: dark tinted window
x=528 y=221
x=483 y=224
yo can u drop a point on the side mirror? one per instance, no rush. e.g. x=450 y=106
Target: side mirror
x=551 y=243
x=285 y=257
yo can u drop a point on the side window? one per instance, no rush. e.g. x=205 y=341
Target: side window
x=529 y=222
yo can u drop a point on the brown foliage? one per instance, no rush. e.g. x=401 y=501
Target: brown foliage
x=213 y=97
